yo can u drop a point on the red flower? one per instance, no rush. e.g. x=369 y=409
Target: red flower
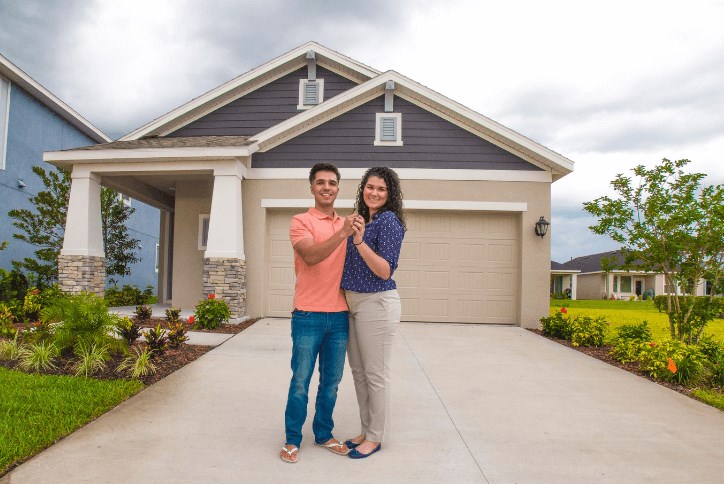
x=191 y=319
x=672 y=366
x=564 y=311
x=212 y=296
x=652 y=344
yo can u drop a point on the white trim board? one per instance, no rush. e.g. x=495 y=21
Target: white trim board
x=409 y=174
x=457 y=205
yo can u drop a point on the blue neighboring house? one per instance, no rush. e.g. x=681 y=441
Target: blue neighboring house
x=33 y=120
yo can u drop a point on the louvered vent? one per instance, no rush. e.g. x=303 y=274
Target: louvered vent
x=311 y=93
x=388 y=129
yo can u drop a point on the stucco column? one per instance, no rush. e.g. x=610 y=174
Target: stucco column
x=224 y=261
x=574 y=285
x=81 y=264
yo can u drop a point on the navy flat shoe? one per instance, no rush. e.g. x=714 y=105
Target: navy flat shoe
x=355 y=454
x=350 y=444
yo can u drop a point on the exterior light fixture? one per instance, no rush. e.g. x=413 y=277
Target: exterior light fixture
x=21 y=183
x=541 y=227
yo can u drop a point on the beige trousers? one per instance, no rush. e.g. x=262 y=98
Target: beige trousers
x=373 y=320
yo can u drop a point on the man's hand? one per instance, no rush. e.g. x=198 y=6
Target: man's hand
x=347 y=229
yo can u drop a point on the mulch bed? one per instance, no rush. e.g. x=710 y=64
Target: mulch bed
x=166 y=363
x=603 y=353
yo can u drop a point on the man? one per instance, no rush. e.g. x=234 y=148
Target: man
x=320 y=322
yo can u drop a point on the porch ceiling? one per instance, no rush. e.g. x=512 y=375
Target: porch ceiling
x=157 y=190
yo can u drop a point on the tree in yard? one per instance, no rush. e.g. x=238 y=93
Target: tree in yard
x=667 y=221
x=44 y=228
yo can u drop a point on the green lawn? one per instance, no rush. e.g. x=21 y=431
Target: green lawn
x=37 y=410
x=618 y=313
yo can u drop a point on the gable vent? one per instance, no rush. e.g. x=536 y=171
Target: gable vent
x=388 y=129
x=311 y=93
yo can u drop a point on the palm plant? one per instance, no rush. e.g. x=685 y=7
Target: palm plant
x=82 y=319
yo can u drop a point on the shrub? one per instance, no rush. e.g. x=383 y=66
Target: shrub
x=156 y=340
x=128 y=295
x=710 y=347
x=91 y=359
x=674 y=361
x=7 y=320
x=172 y=315
x=13 y=285
x=556 y=326
x=82 y=318
x=128 y=330
x=715 y=369
x=587 y=331
x=138 y=364
x=176 y=334
x=143 y=313
x=32 y=305
x=627 y=350
x=637 y=332
x=211 y=312
x=37 y=357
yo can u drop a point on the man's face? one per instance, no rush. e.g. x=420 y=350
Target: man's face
x=325 y=189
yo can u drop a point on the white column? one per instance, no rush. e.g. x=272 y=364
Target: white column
x=573 y=285
x=226 y=226
x=83 y=229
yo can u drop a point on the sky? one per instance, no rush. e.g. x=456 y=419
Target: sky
x=609 y=85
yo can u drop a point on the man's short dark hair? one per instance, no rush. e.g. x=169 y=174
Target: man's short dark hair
x=322 y=167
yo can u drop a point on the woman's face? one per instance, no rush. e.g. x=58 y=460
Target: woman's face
x=375 y=194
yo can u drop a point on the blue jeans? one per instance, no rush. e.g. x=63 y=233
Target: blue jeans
x=323 y=334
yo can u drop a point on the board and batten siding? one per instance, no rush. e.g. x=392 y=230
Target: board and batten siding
x=263 y=108
x=429 y=142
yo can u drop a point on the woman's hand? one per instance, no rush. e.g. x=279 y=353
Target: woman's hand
x=358 y=226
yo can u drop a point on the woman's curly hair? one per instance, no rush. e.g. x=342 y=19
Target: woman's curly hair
x=394 y=193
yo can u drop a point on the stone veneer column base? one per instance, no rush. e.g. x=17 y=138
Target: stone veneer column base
x=82 y=273
x=226 y=277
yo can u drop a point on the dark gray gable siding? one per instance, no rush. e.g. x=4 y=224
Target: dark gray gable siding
x=263 y=108
x=429 y=142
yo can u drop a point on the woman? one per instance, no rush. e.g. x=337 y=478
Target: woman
x=374 y=305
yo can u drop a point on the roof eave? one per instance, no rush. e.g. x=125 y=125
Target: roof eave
x=32 y=87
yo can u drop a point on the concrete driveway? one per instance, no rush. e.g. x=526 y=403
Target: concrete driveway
x=470 y=404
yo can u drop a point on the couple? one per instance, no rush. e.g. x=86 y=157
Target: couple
x=344 y=300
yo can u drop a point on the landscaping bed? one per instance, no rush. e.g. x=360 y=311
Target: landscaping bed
x=166 y=363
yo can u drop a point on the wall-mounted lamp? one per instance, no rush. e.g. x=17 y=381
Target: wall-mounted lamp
x=21 y=183
x=541 y=227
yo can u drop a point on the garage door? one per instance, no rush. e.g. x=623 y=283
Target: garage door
x=459 y=267
x=454 y=267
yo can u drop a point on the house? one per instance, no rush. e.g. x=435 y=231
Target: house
x=34 y=120
x=590 y=281
x=563 y=281
x=229 y=169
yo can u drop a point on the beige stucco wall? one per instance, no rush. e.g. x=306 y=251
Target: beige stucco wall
x=535 y=258
x=589 y=286
x=193 y=198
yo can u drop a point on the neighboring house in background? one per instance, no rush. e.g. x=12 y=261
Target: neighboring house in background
x=563 y=280
x=229 y=169
x=33 y=120
x=592 y=282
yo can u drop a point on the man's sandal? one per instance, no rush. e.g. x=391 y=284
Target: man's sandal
x=289 y=452
x=335 y=447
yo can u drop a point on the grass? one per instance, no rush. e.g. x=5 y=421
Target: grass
x=710 y=397
x=618 y=313
x=37 y=410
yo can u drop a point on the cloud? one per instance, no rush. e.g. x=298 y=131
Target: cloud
x=682 y=105
x=122 y=64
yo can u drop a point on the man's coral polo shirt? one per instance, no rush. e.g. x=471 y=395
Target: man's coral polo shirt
x=318 y=286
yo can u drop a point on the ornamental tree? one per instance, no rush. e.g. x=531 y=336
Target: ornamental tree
x=667 y=221
x=44 y=227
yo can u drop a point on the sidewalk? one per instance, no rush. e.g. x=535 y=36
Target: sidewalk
x=470 y=404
